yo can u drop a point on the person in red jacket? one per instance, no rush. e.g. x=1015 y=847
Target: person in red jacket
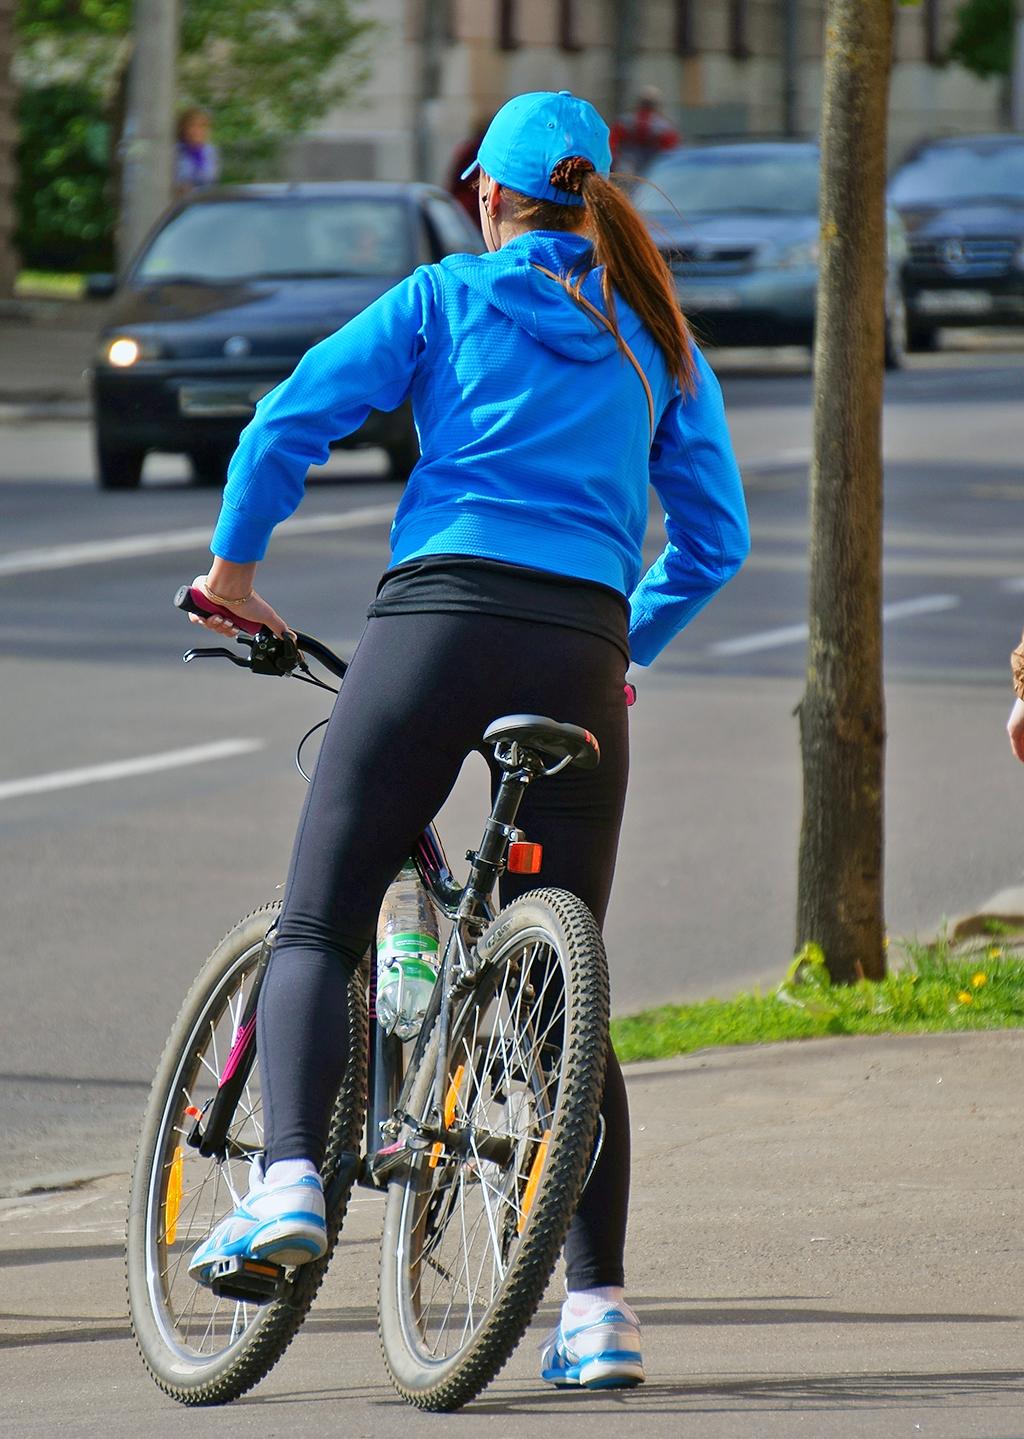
x=642 y=135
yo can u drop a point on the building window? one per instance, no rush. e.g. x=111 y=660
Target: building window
x=508 y=39
x=568 y=39
x=685 y=43
x=932 y=52
x=739 y=46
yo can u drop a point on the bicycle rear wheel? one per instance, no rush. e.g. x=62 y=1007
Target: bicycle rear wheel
x=199 y=1348
x=472 y=1232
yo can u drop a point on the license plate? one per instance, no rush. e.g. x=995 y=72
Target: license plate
x=954 y=302
x=700 y=299
x=214 y=401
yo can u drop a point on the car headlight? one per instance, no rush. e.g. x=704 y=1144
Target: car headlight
x=793 y=257
x=123 y=351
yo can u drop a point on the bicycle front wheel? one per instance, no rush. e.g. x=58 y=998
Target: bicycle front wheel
x=473 y=1228
x=198 y=1347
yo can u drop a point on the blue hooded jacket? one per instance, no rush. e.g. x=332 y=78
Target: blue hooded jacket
x=534 y=429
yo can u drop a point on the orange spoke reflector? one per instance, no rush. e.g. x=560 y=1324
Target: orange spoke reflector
x=524 y=858
x=193 y=1112
x=536 y=1169
x=451 y=1099
x=172 y=1204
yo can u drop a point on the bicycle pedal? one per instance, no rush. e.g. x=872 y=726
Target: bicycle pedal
x=254 y=1281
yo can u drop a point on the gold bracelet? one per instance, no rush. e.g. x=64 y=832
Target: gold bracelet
x=228 y=604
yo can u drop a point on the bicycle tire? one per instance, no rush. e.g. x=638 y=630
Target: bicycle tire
x=508 y=1072
x=256 y=1335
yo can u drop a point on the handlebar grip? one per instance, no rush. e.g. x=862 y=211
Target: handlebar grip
x=194 y=602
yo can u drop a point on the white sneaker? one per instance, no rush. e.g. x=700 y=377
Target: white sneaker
x=282 y=1223
x=597 y=1350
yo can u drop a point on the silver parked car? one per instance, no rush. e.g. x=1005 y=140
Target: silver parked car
x=738 y=223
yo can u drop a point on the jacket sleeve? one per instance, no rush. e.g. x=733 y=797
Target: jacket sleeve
x=368 y=364
x=694 y=472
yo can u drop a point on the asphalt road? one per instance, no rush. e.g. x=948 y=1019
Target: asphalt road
x=115 y=890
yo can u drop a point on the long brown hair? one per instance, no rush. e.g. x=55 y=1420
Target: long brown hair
x=621 y=242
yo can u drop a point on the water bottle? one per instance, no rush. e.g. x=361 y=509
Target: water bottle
x=407 y=959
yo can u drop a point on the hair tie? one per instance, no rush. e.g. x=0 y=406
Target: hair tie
x=569 y=174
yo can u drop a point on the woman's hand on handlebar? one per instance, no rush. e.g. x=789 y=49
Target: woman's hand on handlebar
x=255 y=609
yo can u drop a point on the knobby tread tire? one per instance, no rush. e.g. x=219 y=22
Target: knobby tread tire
x=569 y=1153
x=270 y=1333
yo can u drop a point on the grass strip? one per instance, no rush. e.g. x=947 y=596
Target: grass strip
x=936 y=988
x=49 y=285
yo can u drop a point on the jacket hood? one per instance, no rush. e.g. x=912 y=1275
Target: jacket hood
x=508 y=280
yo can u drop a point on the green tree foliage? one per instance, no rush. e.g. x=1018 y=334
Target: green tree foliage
x=984 y=36
x=265 y=69
x=65 y=218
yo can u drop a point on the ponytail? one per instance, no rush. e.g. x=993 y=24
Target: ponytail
x=633 y=264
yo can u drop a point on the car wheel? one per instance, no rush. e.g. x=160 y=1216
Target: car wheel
x=210 y=466
x=403 y=456
x=118 y=466
x=896 y=333
x=921 y=336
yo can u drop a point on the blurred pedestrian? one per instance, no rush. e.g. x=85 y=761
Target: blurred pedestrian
x=197 y=162
x=465 y=191
x=1015 y=724
x=642 y=135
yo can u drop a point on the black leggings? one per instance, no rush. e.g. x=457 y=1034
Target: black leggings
x=420 y=692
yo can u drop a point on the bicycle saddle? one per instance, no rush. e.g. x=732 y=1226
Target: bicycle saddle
x=546 y=737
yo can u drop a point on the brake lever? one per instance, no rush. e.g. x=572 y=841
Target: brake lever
x=215 y=652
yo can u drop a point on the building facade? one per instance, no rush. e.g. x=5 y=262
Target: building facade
x=724 y=68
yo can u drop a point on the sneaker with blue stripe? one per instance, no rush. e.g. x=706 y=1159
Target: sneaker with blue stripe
x=281 y=1223
x=597 y=1350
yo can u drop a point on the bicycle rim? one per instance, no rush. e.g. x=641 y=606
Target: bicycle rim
x=188 y=1194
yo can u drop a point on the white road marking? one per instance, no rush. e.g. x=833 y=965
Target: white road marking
x=97 y=552
x=781 y=460
x=127 y=768
x=797 y=634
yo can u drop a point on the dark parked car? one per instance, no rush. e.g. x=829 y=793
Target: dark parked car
x=738 y=223
x=230 y=291
x=962 y=201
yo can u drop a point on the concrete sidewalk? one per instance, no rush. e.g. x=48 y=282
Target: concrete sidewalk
x=825 y=1238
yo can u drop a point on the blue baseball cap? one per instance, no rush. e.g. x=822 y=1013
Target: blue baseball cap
x=531 y=133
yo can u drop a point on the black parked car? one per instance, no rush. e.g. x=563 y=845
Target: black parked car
x=962 y=201
x=230 y=291
x=738 y=224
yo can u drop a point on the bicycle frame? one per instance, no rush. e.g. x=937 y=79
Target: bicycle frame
x=469 y=908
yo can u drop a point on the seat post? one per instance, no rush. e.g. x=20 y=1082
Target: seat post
x=486 y=862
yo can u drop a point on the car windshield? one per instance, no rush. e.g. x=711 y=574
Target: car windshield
x=948 y=173
x=719 y=182
x=264 y=237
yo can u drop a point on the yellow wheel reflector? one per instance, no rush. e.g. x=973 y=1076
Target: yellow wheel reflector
x=451 y=1099
x=172 y=1204
x=536 y=1169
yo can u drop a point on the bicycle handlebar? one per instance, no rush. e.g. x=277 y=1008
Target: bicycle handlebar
x=279 y=654
x=194 y=602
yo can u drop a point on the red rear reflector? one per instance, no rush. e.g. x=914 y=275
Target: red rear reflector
x=524 y=858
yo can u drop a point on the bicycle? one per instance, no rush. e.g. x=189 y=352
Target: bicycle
x=480 y=1134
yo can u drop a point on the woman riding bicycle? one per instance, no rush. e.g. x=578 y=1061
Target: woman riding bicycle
x=551 y=379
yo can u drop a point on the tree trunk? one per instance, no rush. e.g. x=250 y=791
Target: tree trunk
x=8 y=136
x=842 y=713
